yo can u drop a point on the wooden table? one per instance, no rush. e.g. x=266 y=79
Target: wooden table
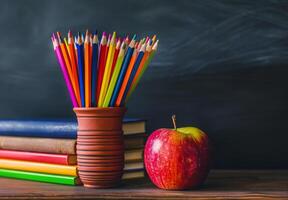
x=221 y=184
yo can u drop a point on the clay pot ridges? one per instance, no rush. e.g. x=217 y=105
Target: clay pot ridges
x=99 y=133
x=100 y=147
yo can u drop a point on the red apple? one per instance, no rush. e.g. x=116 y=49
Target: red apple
x=177 y=158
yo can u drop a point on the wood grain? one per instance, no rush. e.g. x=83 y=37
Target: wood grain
x=221 y=184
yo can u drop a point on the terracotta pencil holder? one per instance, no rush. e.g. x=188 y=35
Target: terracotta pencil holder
x=100 y=146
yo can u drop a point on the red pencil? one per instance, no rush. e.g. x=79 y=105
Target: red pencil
x=101 y=66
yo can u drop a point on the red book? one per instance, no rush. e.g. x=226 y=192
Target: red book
x=60 y=159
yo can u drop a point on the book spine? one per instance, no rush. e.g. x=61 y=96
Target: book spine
x=46 y=129
x=59 y=159
x=48 y=178
x=38 y=167
x=43 y=145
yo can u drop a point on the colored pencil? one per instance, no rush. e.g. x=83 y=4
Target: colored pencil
x=121 y=99
x=67 y=61
x=65 y=54
x=103 y=47
x=87 y=70
x=122 y=72
x=107 y=70
x=107 y=49
x=73 y=60
x=66 y=44
x=64 y=71
x=79 y=46
x=153 y=39
x=115 y=74
x=140 y=68
x=94 y=69
x=127 y=75
x=117 y=49
x=90 y=48
x=141 y=72
x=127 y=41
x=105 y=74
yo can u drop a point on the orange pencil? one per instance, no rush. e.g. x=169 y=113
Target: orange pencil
x=127 y=75
x=144 y=59
x=122 y=96
x=87 y=70
x=90 y=48
x=67 y=62
x=74 y=65
x=152 y=49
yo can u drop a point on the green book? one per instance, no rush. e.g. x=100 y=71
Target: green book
x=48 y=178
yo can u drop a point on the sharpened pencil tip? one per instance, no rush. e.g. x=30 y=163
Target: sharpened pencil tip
x=134 y=37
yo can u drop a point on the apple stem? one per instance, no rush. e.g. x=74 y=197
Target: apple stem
x=174 y=121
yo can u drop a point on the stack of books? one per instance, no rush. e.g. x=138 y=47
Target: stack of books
x=134 y=141
x=45 y=151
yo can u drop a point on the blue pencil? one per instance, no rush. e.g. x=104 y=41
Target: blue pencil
x=79 y=46
x=133 y=73
x=122 y=72
x=94 y=69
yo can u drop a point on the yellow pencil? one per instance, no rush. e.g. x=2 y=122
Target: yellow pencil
x=107 y=70
x=153 y=39
x=66 y=44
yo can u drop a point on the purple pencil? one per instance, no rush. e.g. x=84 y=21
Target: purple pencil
x=64 y=71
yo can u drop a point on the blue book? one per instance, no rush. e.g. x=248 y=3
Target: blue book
x=57 y=128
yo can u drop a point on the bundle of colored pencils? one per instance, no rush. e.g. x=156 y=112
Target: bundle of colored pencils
x=105 y=74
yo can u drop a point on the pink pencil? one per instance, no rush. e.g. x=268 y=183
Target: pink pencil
x=64 y=71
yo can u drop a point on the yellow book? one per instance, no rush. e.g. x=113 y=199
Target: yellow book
x=39 y=167
x=133 y=175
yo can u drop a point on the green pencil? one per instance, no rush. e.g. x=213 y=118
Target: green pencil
x=115 y=75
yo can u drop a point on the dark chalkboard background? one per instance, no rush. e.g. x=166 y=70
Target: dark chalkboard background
x=222 y=65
